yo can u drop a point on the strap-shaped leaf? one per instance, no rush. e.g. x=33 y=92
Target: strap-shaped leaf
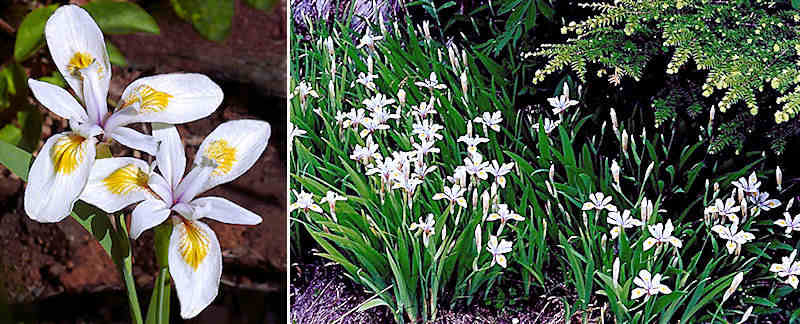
x=15 y=159
x=121 y=17
x=31 y=32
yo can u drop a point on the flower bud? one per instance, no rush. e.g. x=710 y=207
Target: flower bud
x=478 y=237
x=585 y=219
x=475 y=198
x=329 y=46
x=624 y=141
x=615 y=171
x=426 y=29
x=464 y=82
x=452 y=54
x=382 y=23
x=646 y=210
x=401 y=96
x=711 y=116
x=485 y=200
x=614 y=123
x=649 y=169
x=779 y=178
x=615 y=271
x=552 y=172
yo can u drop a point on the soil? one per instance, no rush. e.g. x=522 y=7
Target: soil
x=57 y=273
x=321 y=293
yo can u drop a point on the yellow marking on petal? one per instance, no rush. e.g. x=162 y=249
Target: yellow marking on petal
x=223 y=154
x=193 y=244
x=67 y=153
x=126 y=179
x=79 y=61
x=149 y=99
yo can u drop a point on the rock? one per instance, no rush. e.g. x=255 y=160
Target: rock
x=254 y=53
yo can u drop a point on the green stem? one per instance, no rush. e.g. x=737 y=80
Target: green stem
x=130 y=285
x=125 y=263
x=158 y=311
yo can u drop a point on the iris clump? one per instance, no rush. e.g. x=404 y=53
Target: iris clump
x=454 y=195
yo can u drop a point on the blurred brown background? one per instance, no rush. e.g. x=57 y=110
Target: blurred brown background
x=56 y=273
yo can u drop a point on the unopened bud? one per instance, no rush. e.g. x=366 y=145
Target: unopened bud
x=615 y=171
x=614 y=123
x=478 y=237
x=624 y=141
x=452 y=53
x=464 y=81
x=426 y=29
x=779 y=178
x=649 y=169
x=485 y=200
x=401 y=96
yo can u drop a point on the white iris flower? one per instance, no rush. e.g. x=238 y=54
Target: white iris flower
x=649 y=285
x=562 y=102
x=621 y=221
x=453 y=195
x=788 y=268
x=791 y=224
x=599 y=201
x=62 y=168
x=734 y=237
x=661 y=233
x=498 y=249
x=195 y=258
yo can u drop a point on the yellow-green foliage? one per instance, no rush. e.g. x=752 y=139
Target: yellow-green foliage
x=743 y=45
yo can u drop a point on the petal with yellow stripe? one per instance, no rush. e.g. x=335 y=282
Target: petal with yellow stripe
x=58 y=176
x=116 y=183
x=195 y=263
x=75 y=43
x=234 y=146
x=173 y=98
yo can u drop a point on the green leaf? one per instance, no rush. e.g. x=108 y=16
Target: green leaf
x=796 y=4
x=30 y=35
x=30 y=120
x=4 y=100
x=211 y=18
x=15 y=159
x=265 y=5
x=16 y=79
x=121 y=17
x=545 y=9
x=96 y=222
x=54 y=78
x=115 y=55
x=372 y=303
x=11 y=134
x=158 y=310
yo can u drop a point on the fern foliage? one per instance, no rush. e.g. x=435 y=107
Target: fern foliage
x=747 y=49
